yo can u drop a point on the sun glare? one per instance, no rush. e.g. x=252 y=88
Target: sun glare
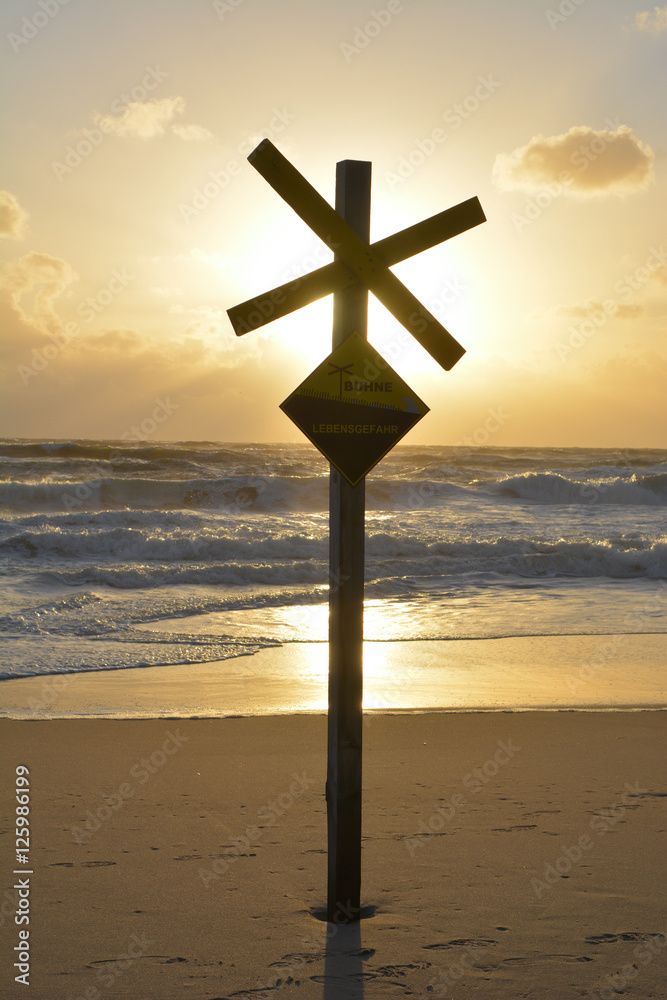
x=283 y=249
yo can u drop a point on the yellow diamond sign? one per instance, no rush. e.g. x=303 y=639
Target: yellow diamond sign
x=354 y=408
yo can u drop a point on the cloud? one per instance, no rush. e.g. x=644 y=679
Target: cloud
x=101 y=384
x=622 y=310
x=652 y=21
x=97 y=384
x=214 y=259
x=41 y=279
x=12 y=217
x=192 y=133
x=152 y=119
x=142 y=119
x=208 y=325
x=584 y=161
x=29 y=289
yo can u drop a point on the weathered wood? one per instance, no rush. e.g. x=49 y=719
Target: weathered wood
x=334 y=277
x=346 y=600
x=356 y=252
x=358 y=267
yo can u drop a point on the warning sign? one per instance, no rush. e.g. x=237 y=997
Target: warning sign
x=354 y=408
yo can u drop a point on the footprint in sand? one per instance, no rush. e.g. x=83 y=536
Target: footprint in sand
x=294 y=959
x=84 y=864
x=162 y=959
x=622 y=936
x=461 y=943
x=393 y=971
x=520 y=826
x=540 y=812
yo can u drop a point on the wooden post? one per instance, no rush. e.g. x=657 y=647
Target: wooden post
x=359 y=266
x=346 y=600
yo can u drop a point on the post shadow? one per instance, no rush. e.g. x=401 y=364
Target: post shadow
x=343 y=962
x=344 y=955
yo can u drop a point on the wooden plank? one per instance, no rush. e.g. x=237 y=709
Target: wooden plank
x=334 y=277
x=356 y=252
x=346 y=601
x=281 y=301
x=429 y=233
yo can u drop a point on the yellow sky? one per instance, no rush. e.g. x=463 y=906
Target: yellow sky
x=132 y=220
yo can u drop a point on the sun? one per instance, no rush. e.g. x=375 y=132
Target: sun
x=287 y=249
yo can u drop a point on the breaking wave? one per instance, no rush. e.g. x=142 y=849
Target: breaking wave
x=236 y=494
x=143 y=557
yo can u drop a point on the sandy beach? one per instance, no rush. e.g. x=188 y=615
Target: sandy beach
x=505 y=855
x=333 y=473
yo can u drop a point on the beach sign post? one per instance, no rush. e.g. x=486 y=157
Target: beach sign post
x=354 y=408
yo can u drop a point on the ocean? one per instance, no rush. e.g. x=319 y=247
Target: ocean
x=121 y=554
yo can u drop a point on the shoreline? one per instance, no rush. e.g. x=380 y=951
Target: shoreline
x=529 y=673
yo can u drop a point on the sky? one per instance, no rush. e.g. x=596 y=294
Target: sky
x=131 y=220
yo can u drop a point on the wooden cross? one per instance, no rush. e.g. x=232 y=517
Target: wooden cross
x=359 y=266
x=358 y=261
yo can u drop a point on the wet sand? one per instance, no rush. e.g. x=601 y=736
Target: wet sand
x=531 y=672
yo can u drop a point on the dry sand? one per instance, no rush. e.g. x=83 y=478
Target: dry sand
x=505 y=855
